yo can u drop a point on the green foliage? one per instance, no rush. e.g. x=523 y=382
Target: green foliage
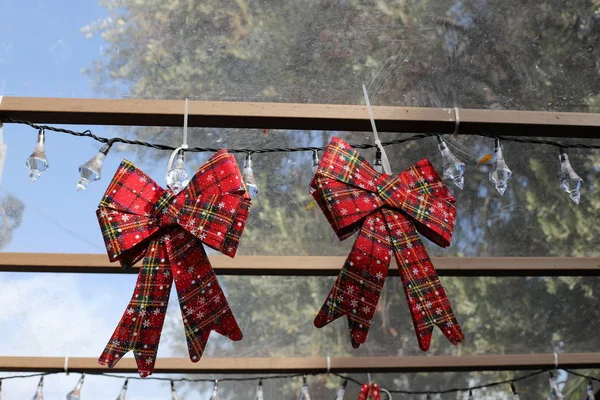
x=534 y=55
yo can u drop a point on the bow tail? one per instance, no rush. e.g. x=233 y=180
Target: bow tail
x=204 y=307
x=358 y=287
x=426 y=297
x=141 y=324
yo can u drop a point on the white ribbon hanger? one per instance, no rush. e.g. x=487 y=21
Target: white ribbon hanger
x=384 y=158
x=184 y=144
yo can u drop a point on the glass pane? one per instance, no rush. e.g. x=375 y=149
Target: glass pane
x=533 y=218
x=475 y=53
x=498 y=315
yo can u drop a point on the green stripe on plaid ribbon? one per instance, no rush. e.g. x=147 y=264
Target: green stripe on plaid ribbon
x=387 y=211
x=139 y=219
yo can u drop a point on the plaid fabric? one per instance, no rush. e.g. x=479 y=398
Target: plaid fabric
x=139 y=220
x=369 y=392
x=387 y=212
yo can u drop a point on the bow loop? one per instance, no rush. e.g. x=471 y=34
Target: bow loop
x=215 y=205
x=422 y=178
x=132 y=191
x=127 y=213
x=342 y=163
x=428 y=201
x=219 y=175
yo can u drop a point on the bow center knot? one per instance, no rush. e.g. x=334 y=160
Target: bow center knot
x=166 y=211
x=391 y=190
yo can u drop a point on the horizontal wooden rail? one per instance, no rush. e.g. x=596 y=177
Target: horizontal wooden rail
x=221 y=114
x=311 y=266
x=208 y=365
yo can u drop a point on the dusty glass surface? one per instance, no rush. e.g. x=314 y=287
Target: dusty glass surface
x=480 y=54
x=477 y=53
x=499 y=315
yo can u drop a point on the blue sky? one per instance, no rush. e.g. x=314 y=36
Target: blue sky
x=42 y=54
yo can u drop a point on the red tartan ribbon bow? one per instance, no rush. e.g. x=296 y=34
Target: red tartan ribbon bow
x=139 y=220
x=388 y=211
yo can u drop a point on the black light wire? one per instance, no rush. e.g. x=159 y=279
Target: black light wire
x=299 y=375
x=158 y=146
x=482 y=386
x=581 y=375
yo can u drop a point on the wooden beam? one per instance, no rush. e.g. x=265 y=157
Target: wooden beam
x=312 y=265
x=209 y=365
x=221 y=114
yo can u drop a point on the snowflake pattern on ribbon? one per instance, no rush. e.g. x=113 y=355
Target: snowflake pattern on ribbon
x=140 y=220
x=387 y=211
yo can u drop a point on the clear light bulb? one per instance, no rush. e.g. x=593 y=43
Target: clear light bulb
x=259 y=391
x=342 y=390
x=92 y=170
x=75 y=394
x=39 y=393
x=248 y=177
x=304 y=394
x=37 y=161
x=315 y=161
x=555 y=393
x=453 y=168
x=177 y=177
x=123 y=393
x=501 y=174
x=514 y=391
x=570 y=182
x=215 y=391
x=590 y=390
x=174 y=395
x=377 y=165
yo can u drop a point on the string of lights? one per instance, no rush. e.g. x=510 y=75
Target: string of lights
x=510 y=383
x=157 y=146
x=177 y=177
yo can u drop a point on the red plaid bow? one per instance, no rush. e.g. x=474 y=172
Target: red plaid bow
x=139 y=220
x=387 y=211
